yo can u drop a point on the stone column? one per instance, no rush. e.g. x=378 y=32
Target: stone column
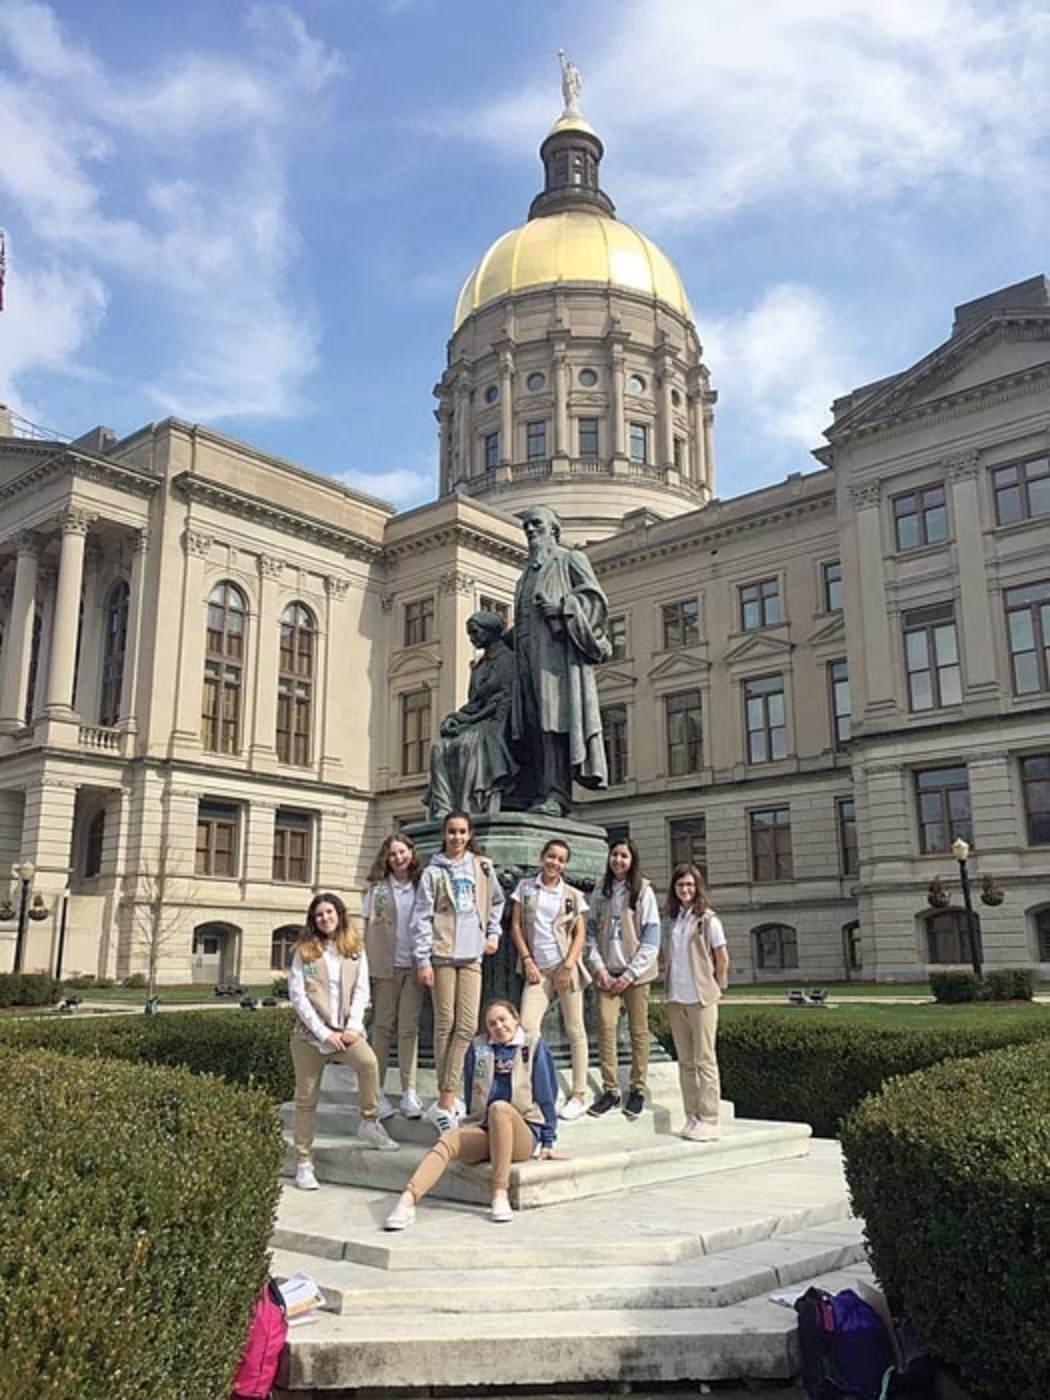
x=560 y=370
x=618 y=373
x=46 y=581
x=18 y=643
x=67 y=615
x=455 y=604
x=506 y=404
x=975 y=618
x=267 y=661
x=464 y=468
x=330 y=714
x=879 y=670
x=189 y=676
x=665 y=409
x=129 y=682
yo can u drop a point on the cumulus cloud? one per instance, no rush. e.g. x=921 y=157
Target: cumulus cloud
x=403 y=487
x=195 y=157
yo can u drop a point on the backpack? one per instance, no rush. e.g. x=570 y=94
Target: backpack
x=844 y=1348
x=267 y=1334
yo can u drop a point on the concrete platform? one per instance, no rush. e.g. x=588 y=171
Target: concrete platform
x=666 y=1283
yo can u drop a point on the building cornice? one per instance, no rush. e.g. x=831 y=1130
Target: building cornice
x=221 y=496
x=459 y=534
x=98 y=470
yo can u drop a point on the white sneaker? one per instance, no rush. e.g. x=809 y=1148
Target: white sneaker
x=401 y=1217
x=444 y=1119
x=411 y=1104
x=571 y=1109
x=304 y=1177
x=683 y=1131
x=386 y=1108
x=699 y=1131
x=372 y=1133
x=502 y=1210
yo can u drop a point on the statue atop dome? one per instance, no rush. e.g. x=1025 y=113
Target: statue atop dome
x=571 y=83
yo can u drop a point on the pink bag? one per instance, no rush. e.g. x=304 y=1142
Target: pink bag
x=257 y=1371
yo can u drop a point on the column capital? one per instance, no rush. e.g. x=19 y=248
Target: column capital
x=270 y=566
x=196 y=544
x=140 y=541
x=386 y=601
x=962 y=466
x=28 y=545
x=336 y=588
x=75 y=521
x=456 y=581
x=863 y=494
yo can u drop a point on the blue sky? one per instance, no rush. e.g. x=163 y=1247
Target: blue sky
x=257 y=216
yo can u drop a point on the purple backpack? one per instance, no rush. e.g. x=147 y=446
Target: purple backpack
x=844 y=1347
x=255 y=1375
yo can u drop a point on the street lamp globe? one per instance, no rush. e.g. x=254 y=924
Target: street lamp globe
x=960 y=849
x=26 y=870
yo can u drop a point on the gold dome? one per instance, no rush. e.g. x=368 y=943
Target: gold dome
x=576 y=246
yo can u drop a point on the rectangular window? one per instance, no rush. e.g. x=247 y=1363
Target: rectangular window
x=679 y=454
x=681 y=623
x=639 y=442
x=948 y=937
x=1022 y=491
x=849 y=862
x=1035 y=780
x=688 y=843
x=1028 y=628
x=1042 y=934
x=831 y=585
x=497 y=606
x=943 y=799
x=587 y=431
x=685 y=743
x=838 y=689
x=931 y=658
x=766 y=719
x=920 y=518
x=617 y=634
x=419 y=621
x=217 y=829
x=760 y=604
x=614 y=730
x=776 y=948
x=291 y=846
x=491 y=446
x=415 y=732
x=535 y=441
x=771 y=844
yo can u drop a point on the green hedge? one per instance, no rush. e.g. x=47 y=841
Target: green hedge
x=27 y=989
x=950 y=1169
x=809 y=1070
x=136 y=1208
x=998 y=984
x=244 y=1048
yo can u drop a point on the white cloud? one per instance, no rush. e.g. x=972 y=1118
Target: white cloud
x=403 y=487
x=206 y=238
x=781 y=362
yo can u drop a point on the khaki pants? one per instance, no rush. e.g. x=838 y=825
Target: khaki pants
x=457 y=1001
x=636 y=1000
x=535 y=998
x=508 y=1139
x=694 y=1027
x=396 y=1003
x=309 y=1063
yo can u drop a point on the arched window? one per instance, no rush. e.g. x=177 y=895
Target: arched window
x=776 y=947
x=295 y=684
x=947 y=936
x=34 y=667
x=224 y=669
x=1041 y=923
x=114 y=645
x=282 y=946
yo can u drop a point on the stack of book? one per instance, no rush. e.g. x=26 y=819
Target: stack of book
x=302 y=1298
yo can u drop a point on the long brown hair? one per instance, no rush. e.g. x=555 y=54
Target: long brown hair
x=472 y=844
x=381 y=865
x=311 y=943
x=699 y=904
x=634 y=875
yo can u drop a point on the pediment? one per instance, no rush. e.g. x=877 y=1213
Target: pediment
x=991 y=355
x=414 y=661
x=760 y=646
x=614 y=678
x=832 y=633
x=680 y=665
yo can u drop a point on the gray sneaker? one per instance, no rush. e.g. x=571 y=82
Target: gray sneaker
x=372 y=1133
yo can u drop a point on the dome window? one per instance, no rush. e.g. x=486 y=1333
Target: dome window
x=536 y=381
x=636 y=384
x=492 y=394
x=676 y=398
x=588 y=378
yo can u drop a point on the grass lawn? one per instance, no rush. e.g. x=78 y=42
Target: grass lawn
x=895 y=1014
x=169 y=996
x=779 y=990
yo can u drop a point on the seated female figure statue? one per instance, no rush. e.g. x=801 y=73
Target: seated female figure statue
x=470 y=761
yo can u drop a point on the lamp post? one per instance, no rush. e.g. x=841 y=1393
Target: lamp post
x=24 y=871
x=961 y=852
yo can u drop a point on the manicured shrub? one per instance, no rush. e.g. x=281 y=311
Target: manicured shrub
x=136 y=980
x=27 y=989
x=247 y=1050
x=279 y=987
x=136 y=1208
x=950 y=1169
x=950 y=988
x=812 y=1070
x=1009 y=984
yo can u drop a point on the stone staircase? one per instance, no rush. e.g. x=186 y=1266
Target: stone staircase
x=651 y=1262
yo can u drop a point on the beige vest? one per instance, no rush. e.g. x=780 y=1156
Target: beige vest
x=381 y=930
x=445 y=904
x=629 y=938
x=520 y=1080
x=318 y=988
x=564 y=924
x=702 y=961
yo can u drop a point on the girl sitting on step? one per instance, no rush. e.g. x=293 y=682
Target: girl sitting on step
x=510 y=1088
x=328 y=990
x=697 y=969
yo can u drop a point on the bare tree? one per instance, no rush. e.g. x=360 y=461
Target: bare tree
x=162 y=902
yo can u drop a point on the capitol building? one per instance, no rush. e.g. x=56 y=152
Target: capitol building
x=220 y=671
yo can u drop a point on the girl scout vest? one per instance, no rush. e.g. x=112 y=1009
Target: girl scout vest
x=520 y=1080
x=318 y=987
x=571 y=904
x=381 y=930
x=629 y=937
x=445 y=904
x=702 y=960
